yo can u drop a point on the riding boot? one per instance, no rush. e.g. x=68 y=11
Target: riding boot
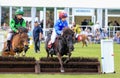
x=51 y=50
x=8 y=46
x=49 y=44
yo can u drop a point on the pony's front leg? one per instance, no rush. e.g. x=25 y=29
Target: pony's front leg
x=23 y=53
x=47 y=54
x=26 y=47
x=86 y=42
x=25 y=50
x=83 y=43
x=17 y=54
x=68 y=58
x=61 y=63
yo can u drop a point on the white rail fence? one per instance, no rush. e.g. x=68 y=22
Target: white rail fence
x=110 y=29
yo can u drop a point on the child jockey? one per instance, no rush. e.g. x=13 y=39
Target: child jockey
x=15 y=23
x=58 y=27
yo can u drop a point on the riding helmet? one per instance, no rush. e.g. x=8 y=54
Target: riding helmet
x=62 y=15
x=19 y=12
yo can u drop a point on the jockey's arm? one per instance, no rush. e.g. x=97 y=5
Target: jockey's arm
x=12 y=24
x=24 y=24
x=58 y=31
x=57 y=28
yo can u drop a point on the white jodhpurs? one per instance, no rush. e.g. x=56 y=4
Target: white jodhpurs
x=53 y=36
x=10 y=34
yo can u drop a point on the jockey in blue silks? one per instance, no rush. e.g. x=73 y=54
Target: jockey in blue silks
x=58 y=27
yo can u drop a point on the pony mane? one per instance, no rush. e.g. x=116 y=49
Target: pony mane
x=23 y=30
x=67 y=31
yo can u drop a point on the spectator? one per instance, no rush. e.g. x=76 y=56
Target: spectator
x=97 y=36
x=84 y=23
x=29 y=32
x=30 y=24
x=84 y=32
x=110 y=23
x=111 y=29
x=4 y=26
x=90 y=23
x=90 y=35
x=104 y=34
x=41 y=24
x=76 y=28
x=37 y=36
x=96 y=26
x=116 y=24
x=117 y=38
x=30 y=37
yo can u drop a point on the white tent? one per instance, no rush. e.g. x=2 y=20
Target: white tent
x=63 y=3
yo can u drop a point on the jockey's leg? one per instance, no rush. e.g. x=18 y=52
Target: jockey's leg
x=53 y=37
x=50 y=44
x=9 y=37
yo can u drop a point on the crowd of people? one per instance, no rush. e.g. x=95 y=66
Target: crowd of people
x=111 y=24
x=95 y=33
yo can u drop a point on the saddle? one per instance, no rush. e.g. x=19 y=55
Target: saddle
x=13 y=36
x=12 y=39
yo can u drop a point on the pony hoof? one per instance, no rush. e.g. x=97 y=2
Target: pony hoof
x=65 y=62
x=62 y=71
x=23 y=54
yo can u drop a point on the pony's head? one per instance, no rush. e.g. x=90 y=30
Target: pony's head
x=69 y=37
x=22 y=30
x=24 y=37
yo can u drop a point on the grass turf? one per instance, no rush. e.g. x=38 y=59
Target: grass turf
x=93 y=50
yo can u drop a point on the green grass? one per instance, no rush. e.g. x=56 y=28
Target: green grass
x=93 y=50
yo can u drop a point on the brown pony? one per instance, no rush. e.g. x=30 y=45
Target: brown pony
x=19 y=43
x=83 y=38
